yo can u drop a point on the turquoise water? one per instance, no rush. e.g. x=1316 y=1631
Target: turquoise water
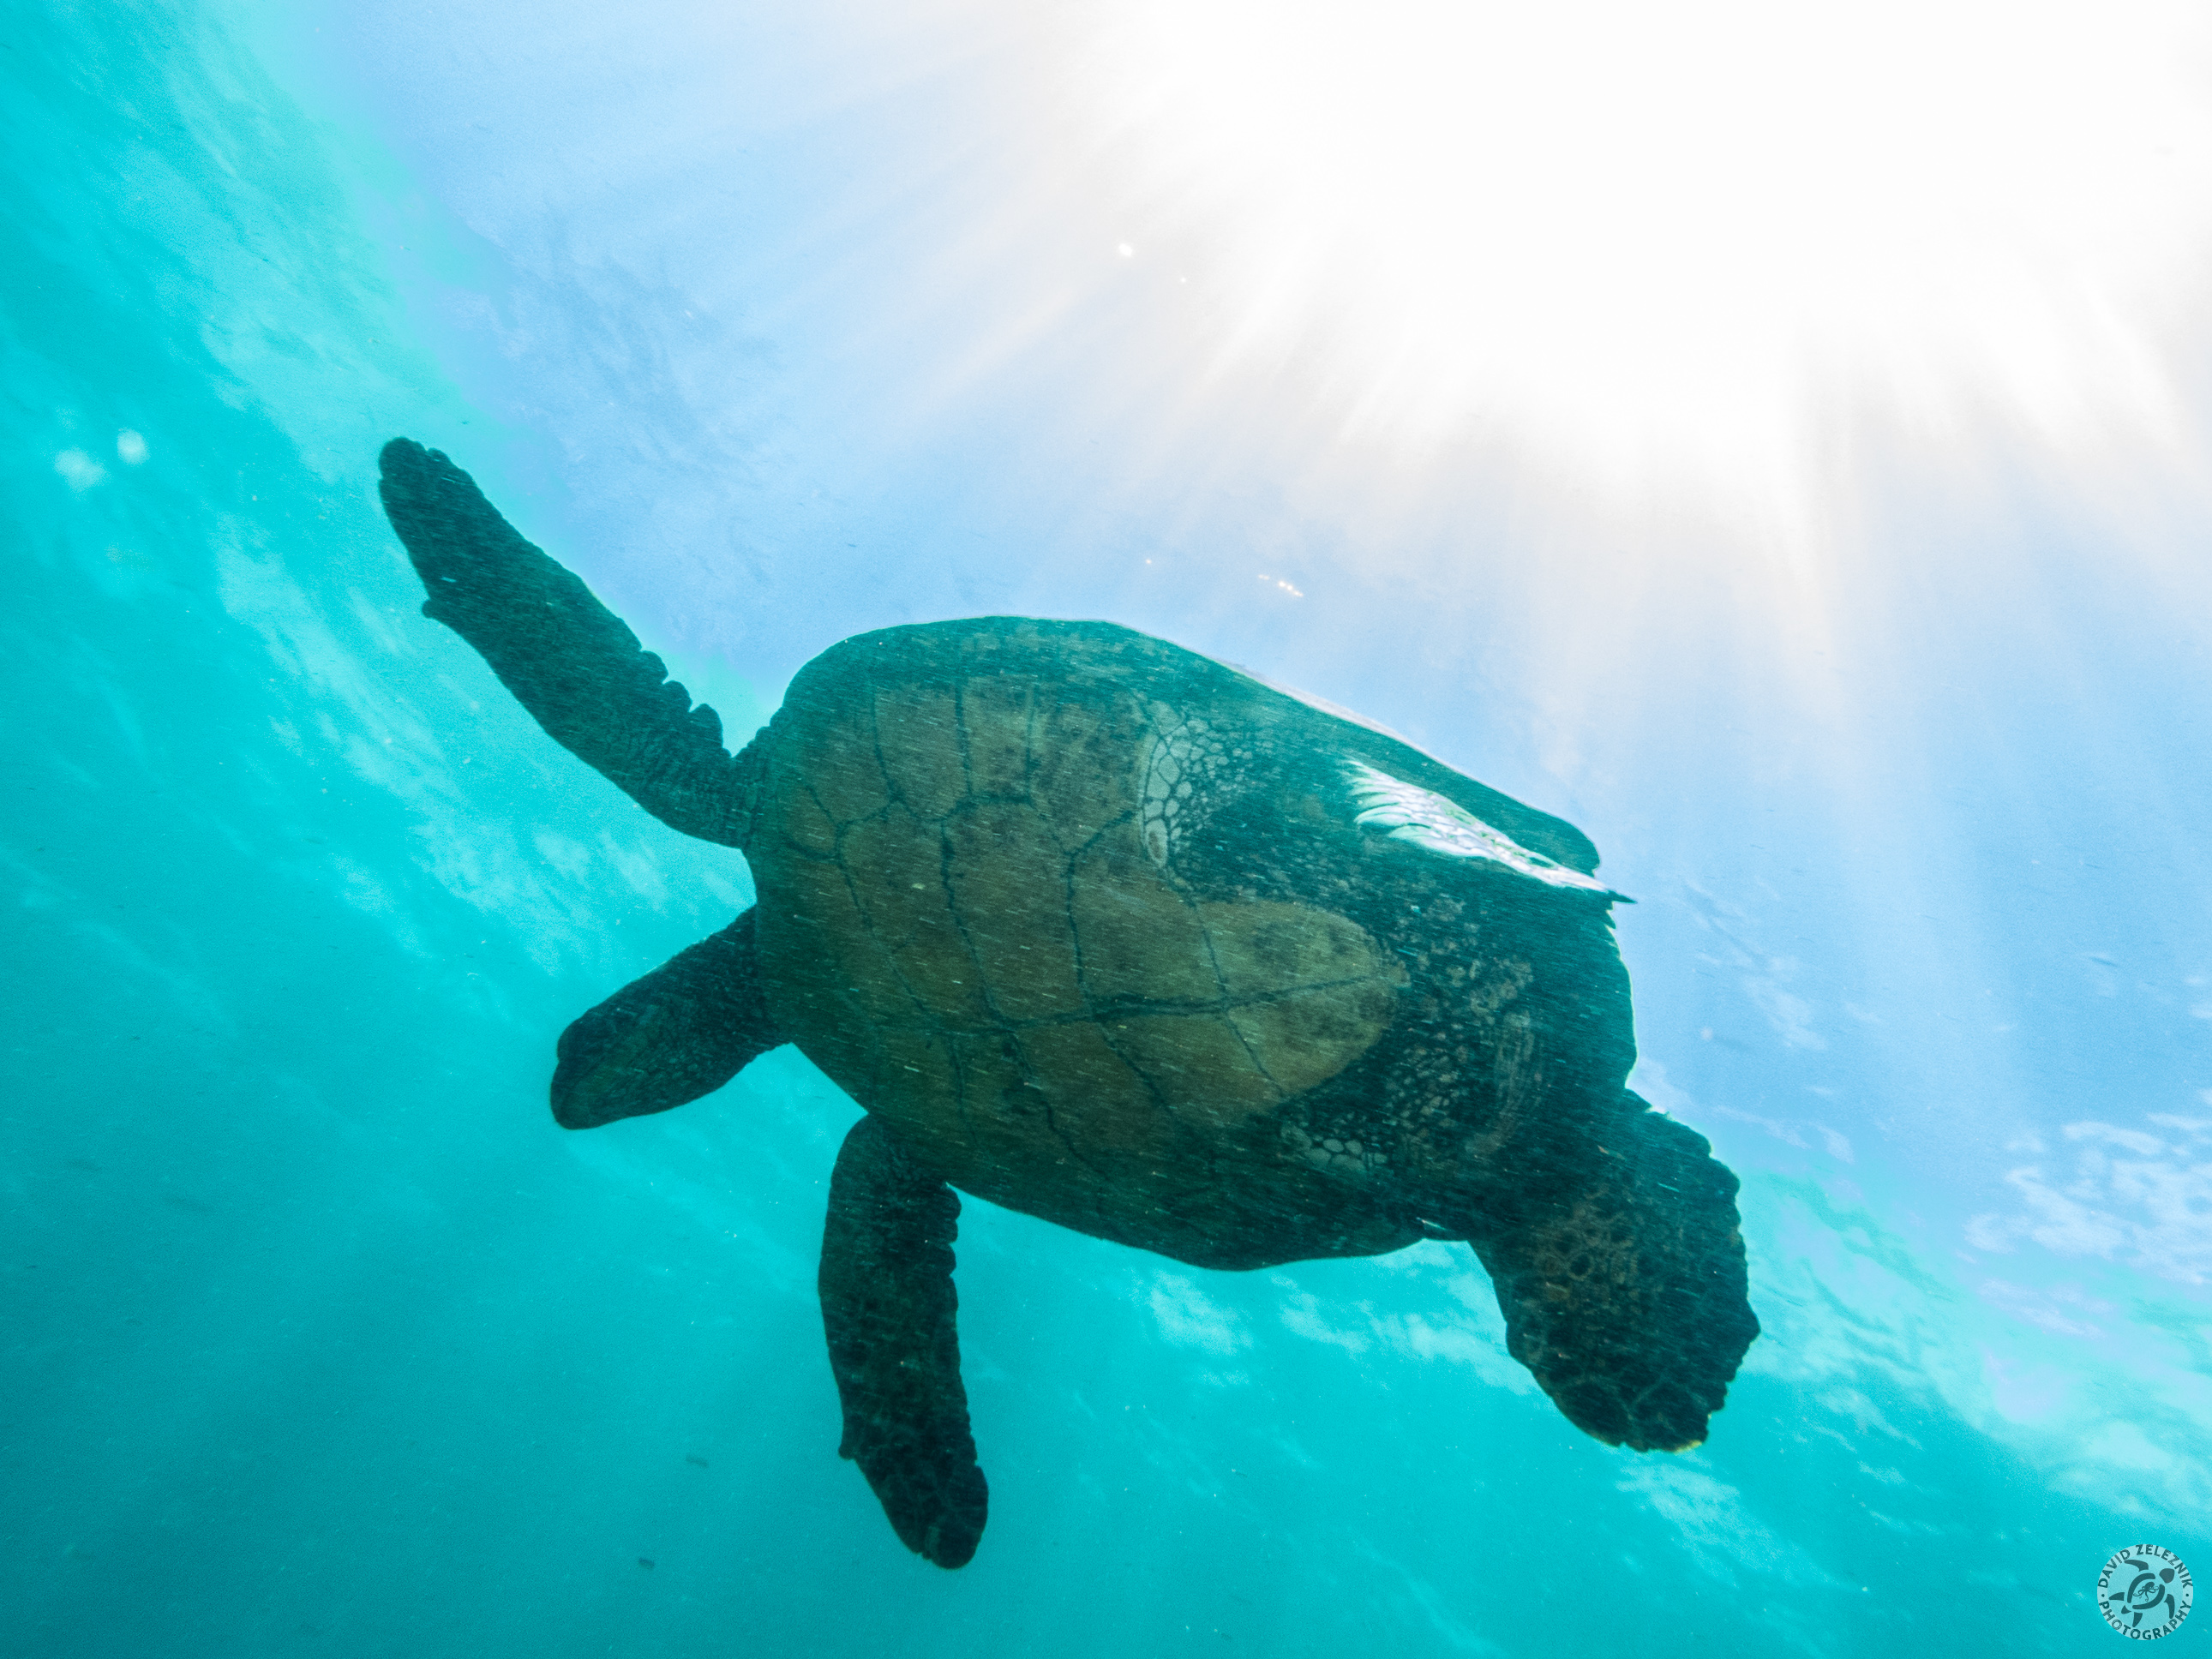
x=321 y=1339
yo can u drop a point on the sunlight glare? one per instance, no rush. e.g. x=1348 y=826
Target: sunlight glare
x=1680 y=243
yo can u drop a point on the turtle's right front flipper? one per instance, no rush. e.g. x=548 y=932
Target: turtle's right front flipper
x=889 y=1308
x=568 y=659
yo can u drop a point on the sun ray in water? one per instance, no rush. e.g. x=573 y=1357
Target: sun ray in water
x=1692 y=243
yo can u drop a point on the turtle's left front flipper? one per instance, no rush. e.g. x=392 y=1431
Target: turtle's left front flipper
x=889 y=1308
x=568 y=659
x=1628 y=1301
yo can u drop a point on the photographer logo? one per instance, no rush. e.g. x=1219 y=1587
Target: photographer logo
x=2144 y=1593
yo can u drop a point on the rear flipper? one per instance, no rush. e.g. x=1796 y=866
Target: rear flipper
x=568 y=659
x=1629 y=1303
x=682 y=1031
x=888 y=1307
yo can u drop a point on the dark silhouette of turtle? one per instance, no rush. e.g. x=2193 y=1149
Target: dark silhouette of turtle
x=1108 y=933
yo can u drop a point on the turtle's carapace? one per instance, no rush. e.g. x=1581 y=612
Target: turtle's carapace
x=1110 y=932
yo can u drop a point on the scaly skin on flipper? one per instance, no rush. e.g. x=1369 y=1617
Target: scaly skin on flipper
x=681 y=1031
x=889 y=1312
x=568 y=659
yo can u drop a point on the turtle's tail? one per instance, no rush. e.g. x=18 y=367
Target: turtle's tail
x=568 y=659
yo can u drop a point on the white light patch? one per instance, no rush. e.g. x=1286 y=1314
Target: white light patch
x=78 y=470
x=1681 y=245
x=1434 y=824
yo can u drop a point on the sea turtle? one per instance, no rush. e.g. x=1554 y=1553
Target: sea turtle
x=1111 y=933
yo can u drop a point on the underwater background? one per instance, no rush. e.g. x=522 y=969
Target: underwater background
x=320 y=1339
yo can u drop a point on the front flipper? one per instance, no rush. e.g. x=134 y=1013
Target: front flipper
x=568 y=659
x=888 y=1307
x=1629 y=1302
x=682 y=1031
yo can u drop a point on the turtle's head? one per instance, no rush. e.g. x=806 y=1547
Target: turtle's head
x=1623 y=1290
